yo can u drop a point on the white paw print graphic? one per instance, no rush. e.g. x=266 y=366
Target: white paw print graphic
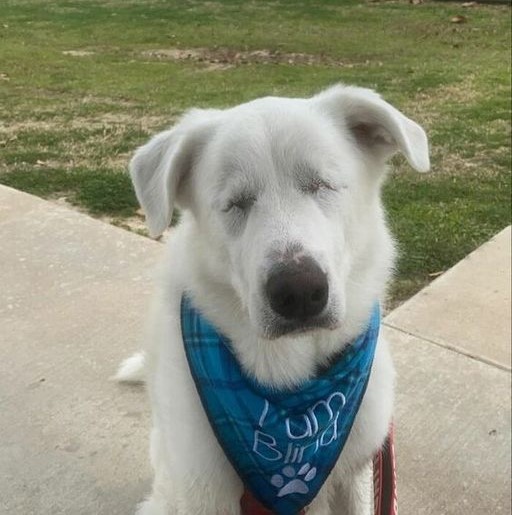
x=291 y=483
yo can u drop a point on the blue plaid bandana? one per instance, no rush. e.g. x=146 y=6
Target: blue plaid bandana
x=282 y=443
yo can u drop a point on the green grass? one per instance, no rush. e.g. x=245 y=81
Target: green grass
x=68 y=122
x=101 y=192
x=440 y=220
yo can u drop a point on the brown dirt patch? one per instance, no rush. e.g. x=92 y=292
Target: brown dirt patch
x=78 y=53
x=94 y=122
x=427 y=106
x=225 y=58
x=100 y=132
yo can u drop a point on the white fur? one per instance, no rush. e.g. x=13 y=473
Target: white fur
x=266 y=150
x=132 y=369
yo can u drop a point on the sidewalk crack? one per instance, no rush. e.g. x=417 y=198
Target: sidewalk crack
x=450 y=347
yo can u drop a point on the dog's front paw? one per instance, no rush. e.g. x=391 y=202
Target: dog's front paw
x=152 y=507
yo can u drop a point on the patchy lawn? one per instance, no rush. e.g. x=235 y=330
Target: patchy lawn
x=83 y=82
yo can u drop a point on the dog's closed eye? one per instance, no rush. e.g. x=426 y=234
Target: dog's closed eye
x=315 y=185
x=310 y=182
x=242 y=202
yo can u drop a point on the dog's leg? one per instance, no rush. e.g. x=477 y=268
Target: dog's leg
x=354 y=494
x=320 y=506
x=322 y=503
x=180 y=488
x=156 y=504
x=191 y=499
x=153 y=507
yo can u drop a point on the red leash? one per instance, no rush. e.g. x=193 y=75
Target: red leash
x=384 y=485
x=384 y=478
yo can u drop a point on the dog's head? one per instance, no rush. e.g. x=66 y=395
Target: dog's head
x=286 y=193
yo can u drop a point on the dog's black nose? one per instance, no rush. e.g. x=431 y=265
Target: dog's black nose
x=297 y=290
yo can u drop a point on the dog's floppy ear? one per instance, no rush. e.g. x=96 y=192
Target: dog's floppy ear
x=160 y=168
x=377 y=126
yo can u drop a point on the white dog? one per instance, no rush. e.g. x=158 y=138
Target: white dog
x=283 y=247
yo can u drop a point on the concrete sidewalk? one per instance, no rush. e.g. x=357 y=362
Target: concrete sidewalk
x=73 y=297
x=451 y=345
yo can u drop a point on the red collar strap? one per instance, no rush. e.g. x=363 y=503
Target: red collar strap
x=251 y=506
x=384 y=484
